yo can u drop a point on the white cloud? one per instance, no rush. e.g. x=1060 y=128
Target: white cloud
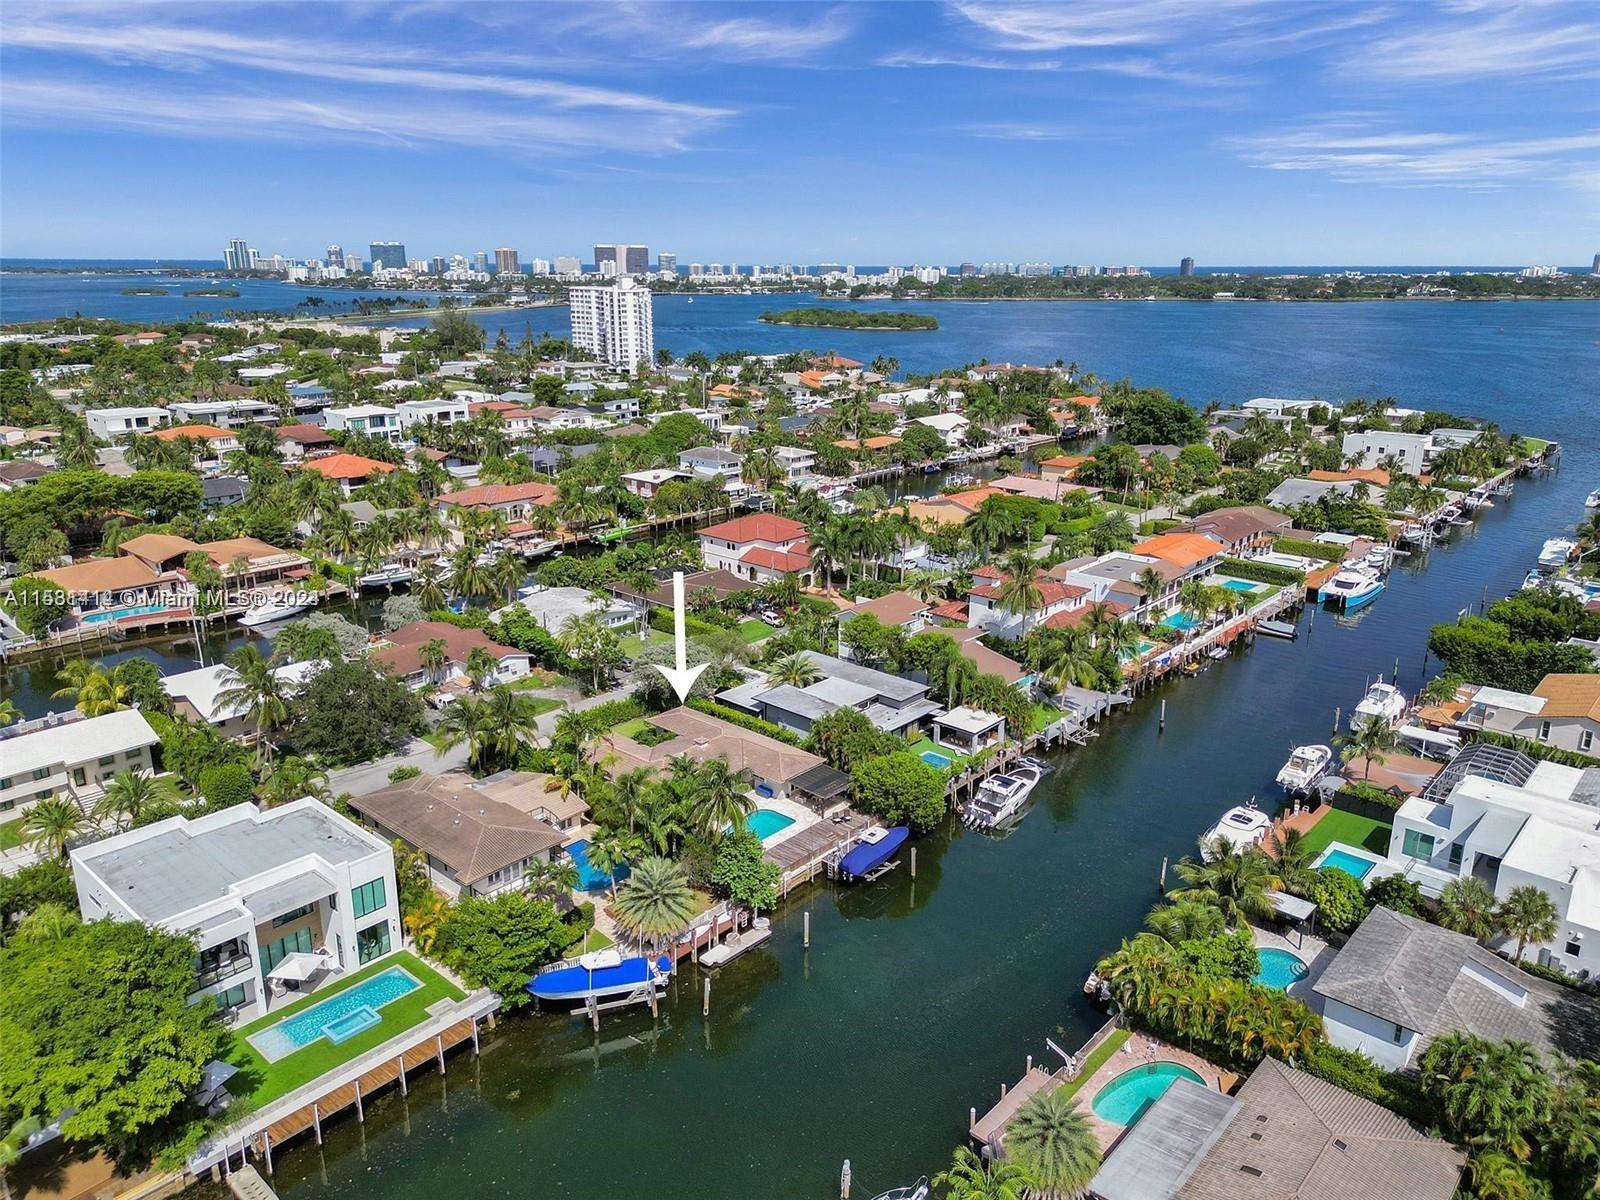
x=1007 y=132
x=1101 y=24
x=916 y=58
x=1522 y=40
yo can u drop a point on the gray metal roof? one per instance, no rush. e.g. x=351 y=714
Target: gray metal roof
x=276 y=899
x=1158 y=1155
x=895 y=688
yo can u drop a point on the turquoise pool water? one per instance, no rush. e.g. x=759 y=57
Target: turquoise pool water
x=765 y=822
x=337 y=1018
x=590 y=879
x=935 y=760
x=1180 y=620
x=1348 y=863
x=132 y=610
x=1238 y=585
x=1280 y=969
x=1124 y=1100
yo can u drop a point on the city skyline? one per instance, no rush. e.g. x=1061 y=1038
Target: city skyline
x=1241 y=132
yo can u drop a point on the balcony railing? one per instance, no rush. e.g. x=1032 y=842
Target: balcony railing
x=222 y=969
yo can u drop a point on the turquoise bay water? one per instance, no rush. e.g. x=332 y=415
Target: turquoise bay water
x=1127 y=1097
x=1280 y=969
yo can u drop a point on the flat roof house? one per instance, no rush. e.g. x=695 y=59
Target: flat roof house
x=1285 y=1135
x=1401 y=981
x=432 y=412
x=893 y=703
x=114 y=423
x=70 y=755
x=374 y=420
x=274 y=898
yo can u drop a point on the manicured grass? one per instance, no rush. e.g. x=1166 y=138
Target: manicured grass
x=268 y=1081
x=633 y=643
x=1043 y=715
x=755 y=629
x=957 y=761
x=11 y=835
x=1095 y=1061
x=632 y=728
x=595 y=940
x=1352 y=830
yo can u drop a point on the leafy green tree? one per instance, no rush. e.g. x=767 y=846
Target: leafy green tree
x=1227 y=956
x=227 y=784
x=1493 y=1095
x=847 y=736
x=98 y=1025
x=969 y=1177
x=1397 y=893
x=35 y=604
x=1050 y=1139
x=351 y=712
x=900 y=789
x=1341 y=904
x=48 y=881
x=740 y=873
x=501 y=943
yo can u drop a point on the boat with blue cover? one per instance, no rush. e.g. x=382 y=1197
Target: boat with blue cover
x=876 y=846
x=600 y=974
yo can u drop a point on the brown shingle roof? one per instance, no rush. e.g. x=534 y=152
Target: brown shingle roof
x=895 y=608
x=702 y=737
x=404 y=653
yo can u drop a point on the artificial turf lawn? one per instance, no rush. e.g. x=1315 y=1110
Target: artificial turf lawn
x=1352 y=830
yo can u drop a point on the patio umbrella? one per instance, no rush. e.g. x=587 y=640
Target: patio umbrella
x=300 y=966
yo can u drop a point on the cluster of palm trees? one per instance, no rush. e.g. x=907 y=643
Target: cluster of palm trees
x=495 y=726
x=1468 y=905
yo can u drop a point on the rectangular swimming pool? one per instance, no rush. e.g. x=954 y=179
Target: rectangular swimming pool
x=765 y=822
x=1180 y=620
x=1359 y=868
x=113 y=614
x=934 y=759
x=338 y=1018
x=1238 y=585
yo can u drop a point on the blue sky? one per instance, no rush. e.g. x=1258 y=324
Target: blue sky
x=1238 y=131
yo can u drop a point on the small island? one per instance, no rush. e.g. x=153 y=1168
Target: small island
x=145 y=291
x=843 y=318
x=216 y=291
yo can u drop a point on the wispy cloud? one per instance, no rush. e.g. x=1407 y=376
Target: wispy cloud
x=1100 y=24
x=1002 y=131
x=664 y=31
x=917 y=58
x=1551 y=40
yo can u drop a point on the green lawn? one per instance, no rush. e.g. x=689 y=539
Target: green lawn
x=957 y=761
x=11 y=835
x=633 y=643
x=633 y=728
x=268 y=1081
x=755 y=629
x=595 y=940
x=1043 y=715
x=1352 y=830
x=1095 y=1061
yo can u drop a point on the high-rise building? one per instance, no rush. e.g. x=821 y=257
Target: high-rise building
x=1186 y=267
x=391 y=255
x=669 y=262
x=539 y=266
x=615 y=324
x=506 y=262
x=566 y=264
x=627 y=259
x=335 y=254
x=1595 y=270
x=352 y=263
x=236 y=256
x=440 y=266
x=696 y=270
x=480 y=260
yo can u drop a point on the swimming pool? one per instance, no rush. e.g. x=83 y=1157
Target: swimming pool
x=1280 y=969
x=1126 y=1098
x=1350 y=864
x=589 y=878
x=1239 y=585
x=1181 y=620
x=765 y=822
x=338 y=1018
x=935 y=760
x=113 y=614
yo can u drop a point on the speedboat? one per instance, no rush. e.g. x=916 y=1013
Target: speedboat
x=1592 y=500
x=1000 y=797
x=1383 y=700
x=916 y=1191
x=274 y=608
x=1242 y=826
x=872 y=851
x=1351 y=587
x=1038 y=764
x=1414 y=533
x=1305 y=766
x=600 y=974
x=1555 y=553
x=387 y=574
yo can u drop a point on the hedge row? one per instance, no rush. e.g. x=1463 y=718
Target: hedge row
x=661 y=619
x=743 y=720
x=1259 y=572
x=1306 y=548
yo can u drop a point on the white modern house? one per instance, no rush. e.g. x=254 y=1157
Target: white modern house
x=712 y=462
x=70 y=755
x=1414 y=450
x=432 y=412
x=113 y=423
x=374 y=420
x=227 y=414
x=277 y=900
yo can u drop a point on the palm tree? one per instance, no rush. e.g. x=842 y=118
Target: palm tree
x=9 y=712
x=1185 y=921
x=830 y=547
x=128 y=793
x=552 y=879
x=795 y=670
x=656 y=902
x=1528 y=915
x=1194 y=598
x=479 y=666
x=293 y=778
x=1370 y=740
x=11 y=1147
x=424 y=921
x=1019 y=592
x=466 y=721
x=1488 y=1094
x=508 y=724
x=1050 y=1139
x=51 y=824
x=428 y=588
x=1236 y=881
x=432 y=655
x=972 y=1178
x=1067 y=658
x=47 y=923
x=608 y=855
x=1294 y=858
x=251 y=689
x=96 y=690
x=1467 y=905
x=720 y=799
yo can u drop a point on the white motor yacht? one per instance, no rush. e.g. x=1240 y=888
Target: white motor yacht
x=1382 y=700
x=388 y=573
x=274 y=609
x=1242 y=826
x=1351 y=587
x=1305 y=766
x=1000 y=797
x=1593 y=499
x=1555 y=553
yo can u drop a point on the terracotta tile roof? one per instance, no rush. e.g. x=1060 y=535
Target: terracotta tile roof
x=950 y=610
x=1570 y=696
x=1065 y=462
x=1051 y=591
x=199 y=432
x=777 y=560
x=759 y=527
x=881 y=442
x=1179 y=548
x=347 y=466
x=1373 y=475
x=494 y=406
x=835 y=362
x=101 y=575
x=813 y=380
x=306 y=435
x=489 y=495
x=1071 y=618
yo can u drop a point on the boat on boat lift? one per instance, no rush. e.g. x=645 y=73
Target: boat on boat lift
x=1351 y=588
x=1592 y=500
x=598 y=975
x=387 y=574
x=1555 y=553
x=1305 y=766
x=870 y=857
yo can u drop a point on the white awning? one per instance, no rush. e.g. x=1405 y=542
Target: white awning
x=301 y=967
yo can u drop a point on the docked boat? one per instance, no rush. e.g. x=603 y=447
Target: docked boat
x=1305 y=766
x=1000 y=797
x=1382 y=700
x=274 y=609
x=1242 y=826
x=1555 y=553
x=598 y=975
x=872 y=853
x=1278 y=629
x=1038 y=764
x=1415 y=533
x=1217 y=653
x=1351 y=587
x=1593 y=499
x=916 y=1191
x=387 y=575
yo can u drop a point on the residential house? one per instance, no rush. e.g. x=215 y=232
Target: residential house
x=349 y=471
x=271 y=897
x=951 y=508
x=19 y=473
x=952 y=427
x=900 y=609
x=988 y=662
x=1570 y=717
x=103 y=589
x=645 y=484
x=1293 y=492
x=70 y=755
x=1284 y=1135
x=969 y=730
x=761 y=548
x=1370 y=447
x=223 y=491
x=212 y=440
x=297 y=441
x=229 y=414
x=445 y=411
x=1400 y=982
x=553 y=607
x=713 y=462
x=1116 y=578
x=244 y=562
x=196 y=695
x=988 y=608
x=1192 y=554
x=403 y=656
x=795 y=463
x=513 y=501
x=893 y=703
x=372 y=420
x=1243 y=532
x=471 y=842
x=775 y=768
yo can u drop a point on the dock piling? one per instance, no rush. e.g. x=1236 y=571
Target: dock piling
x=1161 y=725
x=705 y=1003
x=805 y=929
x=1336 y=714
x=1162 y=883
x=972 y=1119
x=913 y=862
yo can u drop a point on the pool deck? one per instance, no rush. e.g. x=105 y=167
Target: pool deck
x=1309 y=949
x=802 y=854
x=1139 y=1050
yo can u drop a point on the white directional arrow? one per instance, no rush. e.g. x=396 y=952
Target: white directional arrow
x=683 y=676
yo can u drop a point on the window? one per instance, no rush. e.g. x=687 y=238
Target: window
x=7 y=805
x=280 y=922
x=1544 y=731
x=4 y=784
x=1417 y=845
x=1456 y=851
x=1574 y=947
x=1399 y=1034
x=44 y=772
x=368 y=898
x=273 y=953
x=373 y=942
x=232 y=998
x=1586 y=740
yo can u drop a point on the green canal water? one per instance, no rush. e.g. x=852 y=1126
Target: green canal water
x=918 y=997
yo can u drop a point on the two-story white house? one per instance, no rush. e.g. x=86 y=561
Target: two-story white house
x=990 y=606
x=712 y=462
x=228 y=414
x=70 y=755
x=113 y=423
x=373 y=420
x=278 y=900
x=1414 y=450
x=432 y=412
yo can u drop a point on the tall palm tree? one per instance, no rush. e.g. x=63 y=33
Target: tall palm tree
x=552 y=879
x=432 y=655
x=428 y=587
x=1467 y=905
x=129 y=793
x=1067 y=658
x=424 y=921
x=830 y=548
x=508 y=723
x=1020 y=592
x=609 y=855
x=1236 y=881
x=466 y=722
x=1050 y=1139
x=969 y=1177
x=1528 y=915
x=1294 y=858
x=1370 y=741
x=1489 y=1093
x=480 y=665
x=294 y=778
x=795 y=670
x=720 y=799
x=251 y=689
x=51 y=824
x=1185 y=921
x=656 y=902
x=95 y=689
